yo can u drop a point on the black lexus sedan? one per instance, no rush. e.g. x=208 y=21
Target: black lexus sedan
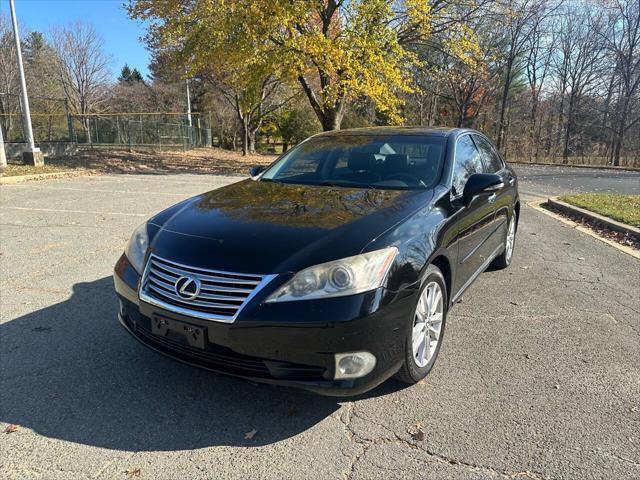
x=332 y=269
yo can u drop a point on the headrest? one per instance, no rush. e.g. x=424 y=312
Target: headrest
x=396 y=162
x=360 y=161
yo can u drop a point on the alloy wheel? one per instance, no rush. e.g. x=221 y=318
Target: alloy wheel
x=427 y=324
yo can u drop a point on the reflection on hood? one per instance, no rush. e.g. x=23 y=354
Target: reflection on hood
x=296 y=205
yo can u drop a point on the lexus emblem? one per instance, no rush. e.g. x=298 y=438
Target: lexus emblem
x=187 y=288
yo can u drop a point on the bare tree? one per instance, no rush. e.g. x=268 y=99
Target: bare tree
x=83 y=67
x=579 y=64
x=538 y=51
x=521 y=18
x=621 y=39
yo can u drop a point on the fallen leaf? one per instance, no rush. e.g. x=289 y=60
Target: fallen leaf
x=11 y=428
x=513 y=303
x=134 y=472
x=250 y=435
x=416 y=431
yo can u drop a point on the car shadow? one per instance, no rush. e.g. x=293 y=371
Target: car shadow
x=69 y=371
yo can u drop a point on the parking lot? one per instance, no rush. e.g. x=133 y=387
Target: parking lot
x=538 y=376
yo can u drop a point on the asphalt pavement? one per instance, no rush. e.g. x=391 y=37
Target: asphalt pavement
x=545 y=181
x=538 y=376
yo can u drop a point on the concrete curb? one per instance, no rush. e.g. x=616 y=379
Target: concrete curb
x=594 y=167
x=610 y=223
x=43 y=176
x=536 y=205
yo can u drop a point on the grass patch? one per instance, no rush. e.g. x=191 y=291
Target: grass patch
x=14 y=169
x=623 y=208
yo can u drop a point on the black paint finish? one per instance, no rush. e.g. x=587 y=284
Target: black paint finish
x=261 y=227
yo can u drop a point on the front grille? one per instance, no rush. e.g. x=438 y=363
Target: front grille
x=222 y=294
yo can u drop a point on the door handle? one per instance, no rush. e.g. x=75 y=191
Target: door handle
x=492 y=198
x=511 y=181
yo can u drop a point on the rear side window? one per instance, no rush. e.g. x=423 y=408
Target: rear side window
x=492 y=161
x=467 y=162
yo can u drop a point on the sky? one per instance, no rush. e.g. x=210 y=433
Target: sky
x=120 y=34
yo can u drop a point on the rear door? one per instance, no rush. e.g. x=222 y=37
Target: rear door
x=476 y=220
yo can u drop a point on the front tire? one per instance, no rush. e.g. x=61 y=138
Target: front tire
x=427 y=328
x=504 y=259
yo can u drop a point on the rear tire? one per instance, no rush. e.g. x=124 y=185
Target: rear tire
x=426 y=328
x=504 y=259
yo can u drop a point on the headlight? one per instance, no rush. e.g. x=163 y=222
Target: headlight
x=137 y=247
x=348 y=276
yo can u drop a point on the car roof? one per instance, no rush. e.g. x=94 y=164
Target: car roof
x=371 y=131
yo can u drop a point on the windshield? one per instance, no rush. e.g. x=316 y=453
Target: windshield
x=362 y=161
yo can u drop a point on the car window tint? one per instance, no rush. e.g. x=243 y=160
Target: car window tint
x=467 y=162
x=492 y=162
x=370 y=161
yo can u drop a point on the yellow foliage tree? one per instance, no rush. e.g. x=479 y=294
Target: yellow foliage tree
x=335 y=50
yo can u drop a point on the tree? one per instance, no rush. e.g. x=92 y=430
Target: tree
x=252 y=101
x=335 y=50
x=83 y=68
x=130 y=76
x=294 y=124
x=521 y=17
x=579 y=65
x=45 y=90
x=9 y=90
x=621 y=39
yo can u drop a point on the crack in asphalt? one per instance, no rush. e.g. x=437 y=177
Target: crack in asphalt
x=367 y=444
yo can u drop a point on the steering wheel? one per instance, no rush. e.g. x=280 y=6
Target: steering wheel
x=406 y=178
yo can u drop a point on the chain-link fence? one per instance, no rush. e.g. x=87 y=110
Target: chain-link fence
x=164 y=130
x=149 y=130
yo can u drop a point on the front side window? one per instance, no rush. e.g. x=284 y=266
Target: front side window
x=467 y=162
x=362 y=161
x=492 y=161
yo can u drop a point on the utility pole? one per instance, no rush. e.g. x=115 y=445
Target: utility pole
x=188 y=103
x=32 y=154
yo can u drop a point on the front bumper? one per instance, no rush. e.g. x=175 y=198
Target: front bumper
x=289 y=344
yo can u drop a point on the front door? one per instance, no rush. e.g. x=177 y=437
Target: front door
x=476 y=220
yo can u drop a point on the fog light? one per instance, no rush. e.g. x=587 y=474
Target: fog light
x=354 y=364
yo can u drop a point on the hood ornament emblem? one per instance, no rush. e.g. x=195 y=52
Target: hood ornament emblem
x=187 y=288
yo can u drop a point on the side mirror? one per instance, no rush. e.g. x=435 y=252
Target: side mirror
x=256 y=170
x=480 y=184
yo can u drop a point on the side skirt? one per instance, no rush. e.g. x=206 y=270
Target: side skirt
x=482 y=268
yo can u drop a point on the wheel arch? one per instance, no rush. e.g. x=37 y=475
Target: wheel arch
x=442 y=262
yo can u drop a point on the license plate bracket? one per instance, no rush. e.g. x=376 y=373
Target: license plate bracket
x=195 y=335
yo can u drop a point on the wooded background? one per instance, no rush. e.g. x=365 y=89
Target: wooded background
x=547 y=80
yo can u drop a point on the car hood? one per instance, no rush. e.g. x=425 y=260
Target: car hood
x=267 y=227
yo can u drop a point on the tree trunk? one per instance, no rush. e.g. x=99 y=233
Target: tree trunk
x=569 y=130
x=332 y=118
x=245 y=137
x=503 y=104
x=252 y=141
